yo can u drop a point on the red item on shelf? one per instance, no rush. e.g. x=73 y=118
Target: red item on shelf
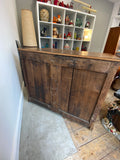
x=64 y=36
x=56 y=2
x=67 y=6
x=71 y=5
x=45 y=1
x=61 y=4
x=69 y=34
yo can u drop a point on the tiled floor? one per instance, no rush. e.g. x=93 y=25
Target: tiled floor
x=97 y=144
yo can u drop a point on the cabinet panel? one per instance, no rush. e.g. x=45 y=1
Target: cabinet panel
x=66 y=78
x=55 y=77
x=38 y=76
x=85 y=90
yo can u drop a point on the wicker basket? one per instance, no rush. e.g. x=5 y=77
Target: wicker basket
x=28 y=30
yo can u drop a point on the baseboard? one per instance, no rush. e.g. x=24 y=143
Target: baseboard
x=15 y=152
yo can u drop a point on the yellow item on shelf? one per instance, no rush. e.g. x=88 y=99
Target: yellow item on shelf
x=87 y=34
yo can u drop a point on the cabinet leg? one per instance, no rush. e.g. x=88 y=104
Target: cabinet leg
x=91 y=126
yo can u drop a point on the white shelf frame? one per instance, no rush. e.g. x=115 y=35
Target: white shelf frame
x=62 y=40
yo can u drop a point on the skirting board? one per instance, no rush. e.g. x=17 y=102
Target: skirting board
x=15 y=152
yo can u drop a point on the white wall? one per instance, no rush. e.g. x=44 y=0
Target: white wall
x=113 y=21
x=10 y=80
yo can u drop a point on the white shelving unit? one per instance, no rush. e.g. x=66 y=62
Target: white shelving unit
x=59 y=43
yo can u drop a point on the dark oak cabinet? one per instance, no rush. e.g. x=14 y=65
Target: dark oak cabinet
x=71 y=83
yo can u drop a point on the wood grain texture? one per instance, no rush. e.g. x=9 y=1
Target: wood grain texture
x=66 y=78
x=74 y=86
x=65 y=53
x=112 y=40
x=96 y=149
x=103 y=147
x=85 y=89
x=115 y=155
x=83 y=135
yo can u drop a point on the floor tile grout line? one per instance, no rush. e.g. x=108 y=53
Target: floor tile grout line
x=91 y=140
x=109 y=153
x=76 y=129
x=82 y=126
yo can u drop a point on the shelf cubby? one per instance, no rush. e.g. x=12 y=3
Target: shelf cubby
x=49 y=40
x=79 y=33
x=48 y=27
x=43 y=6
x=77 y=45
x=87 y=34
x=82 y=19
x=71 y=15
x=46 y=43
x=69 y=29
x=59 y=28
x=85 y=46
x=59 y=11
x=91 y=20
x=70 y=42
x=59 y=43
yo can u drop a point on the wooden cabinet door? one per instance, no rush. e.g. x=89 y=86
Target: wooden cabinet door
x=38 y=77
x=85 y=90
x=49 y=83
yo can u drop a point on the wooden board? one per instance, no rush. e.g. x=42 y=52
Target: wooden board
x=83 y=98
x=69 y=53
x=66 y=78
x=112 y=40
x=96 y=149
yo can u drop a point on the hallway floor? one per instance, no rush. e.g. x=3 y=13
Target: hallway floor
x=97 y=144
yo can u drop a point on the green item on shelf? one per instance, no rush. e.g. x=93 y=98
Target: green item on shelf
x=75 y=35
x=78 y=22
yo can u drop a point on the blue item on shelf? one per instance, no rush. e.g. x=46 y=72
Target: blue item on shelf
x=46 y=45
x=55 y=44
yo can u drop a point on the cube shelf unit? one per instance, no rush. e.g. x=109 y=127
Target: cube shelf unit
x=75 y=44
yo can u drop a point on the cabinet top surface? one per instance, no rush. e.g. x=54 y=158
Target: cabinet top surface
x=70 y=53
